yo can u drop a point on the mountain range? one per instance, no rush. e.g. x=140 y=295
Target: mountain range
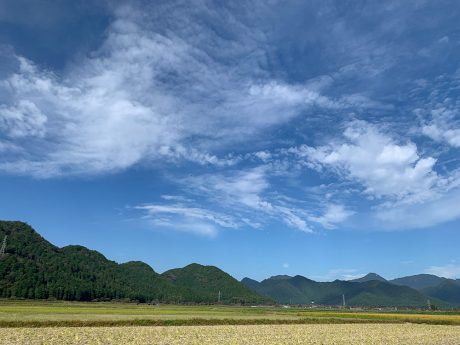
x=370 y=290
x=447 y=290
x=33 y=268
x=301 y=290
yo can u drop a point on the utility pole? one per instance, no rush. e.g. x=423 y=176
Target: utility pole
x=218 y=297
x=3 y=248
x=343 y=301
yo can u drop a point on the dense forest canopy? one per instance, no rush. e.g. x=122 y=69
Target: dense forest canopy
x=34 y=268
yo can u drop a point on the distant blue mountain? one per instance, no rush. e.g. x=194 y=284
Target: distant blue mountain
x=369 y=277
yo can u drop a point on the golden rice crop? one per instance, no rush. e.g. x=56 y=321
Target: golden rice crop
x=324 y=334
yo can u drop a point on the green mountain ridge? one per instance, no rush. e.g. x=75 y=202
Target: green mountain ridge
x=33 y=268
x=369 y=277
x=36 y=269
x=419 y=281
x=208 y=283
x=448 y=291
x=370 y=293
x=250 y=283
x=445 y=289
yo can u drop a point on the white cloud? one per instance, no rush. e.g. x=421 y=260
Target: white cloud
x=240 y=188
x=93 y=126
x=180 y=153
x=446 y=271
x=178 y=198
x=244 y=187
x=185 y=226
x=333 y=215
x=188 y=212
x=249 y=194
x=339 y=273
x=443 y=127
x=166 y=88
x=443 y=208
x=383 y=166
x=145 y=95
x=406 y=189
x=22 y=119
x=8 y=147
x=276 y=93
x=264 y=156
x=293 y=217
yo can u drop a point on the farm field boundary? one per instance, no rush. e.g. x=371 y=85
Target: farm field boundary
x=61 y=314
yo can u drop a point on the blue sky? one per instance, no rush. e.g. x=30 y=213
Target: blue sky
x=318 y=138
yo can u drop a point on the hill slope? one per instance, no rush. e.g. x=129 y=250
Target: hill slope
x=34 y=268
x=250 y=283
x=419 y=281
x=448 y=290
x=203 y=283
x=300 y=290
x=369 y=277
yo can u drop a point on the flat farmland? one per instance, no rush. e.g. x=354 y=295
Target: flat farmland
x=31 y=322
x=324 y=334
x=43 y=314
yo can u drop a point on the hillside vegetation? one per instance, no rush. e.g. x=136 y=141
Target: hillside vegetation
x=33 y=268
x=370 y=293
x=447 y=290
x=208 y=283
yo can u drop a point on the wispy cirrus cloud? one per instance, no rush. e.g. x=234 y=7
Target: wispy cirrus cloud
x=185 y=218
x=22 y=120
x=333 y=215
x=153 y=94
x=245 y=192
x=248 y=195
x=441 y=209
x=444 y=125
x=403 y=186
x=339 y=273
x=171 y=84
x=235 y=200
x=447 y=271
x=144 y=95
x=438 y=109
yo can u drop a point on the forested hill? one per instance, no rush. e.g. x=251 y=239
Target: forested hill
x=34 y=268
x=370 y=293
x=202 y=282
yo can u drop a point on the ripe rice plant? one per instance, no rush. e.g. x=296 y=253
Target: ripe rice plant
x=324 y=334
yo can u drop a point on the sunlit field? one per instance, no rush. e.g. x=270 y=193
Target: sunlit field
x=28 y=322
x=324 y=334
x=41 y=314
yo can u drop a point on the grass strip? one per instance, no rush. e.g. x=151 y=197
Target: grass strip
x=211 y=322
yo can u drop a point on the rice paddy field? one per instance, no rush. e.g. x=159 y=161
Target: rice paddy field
x=25 y=322
x=324 y=334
